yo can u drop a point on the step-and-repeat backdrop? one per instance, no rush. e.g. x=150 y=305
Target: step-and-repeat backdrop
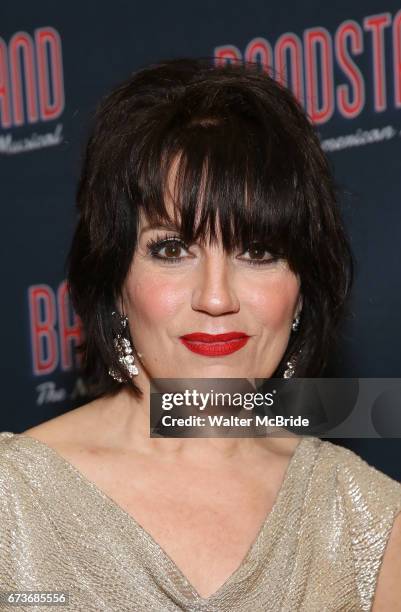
x=342 y=61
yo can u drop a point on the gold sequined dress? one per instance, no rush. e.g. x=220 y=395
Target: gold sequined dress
x=318 y=550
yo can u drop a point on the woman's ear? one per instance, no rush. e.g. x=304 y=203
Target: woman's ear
x=119 y=302
x=299 y=305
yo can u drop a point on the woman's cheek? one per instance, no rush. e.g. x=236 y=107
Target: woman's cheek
x=273 y=304
x=155 y=299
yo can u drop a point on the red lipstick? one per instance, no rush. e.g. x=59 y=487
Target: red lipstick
x=215 y=345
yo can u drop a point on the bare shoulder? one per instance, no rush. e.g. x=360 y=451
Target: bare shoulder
x=73 y=427
x=388 y=590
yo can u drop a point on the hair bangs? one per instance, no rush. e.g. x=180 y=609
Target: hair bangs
x=228 y=178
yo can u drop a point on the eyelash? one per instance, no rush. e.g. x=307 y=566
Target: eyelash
x=154 y=245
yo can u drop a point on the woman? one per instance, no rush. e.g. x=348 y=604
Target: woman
x=206 y=206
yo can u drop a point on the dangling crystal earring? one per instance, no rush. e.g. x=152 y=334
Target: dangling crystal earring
x=289 y=372
x=124 y=348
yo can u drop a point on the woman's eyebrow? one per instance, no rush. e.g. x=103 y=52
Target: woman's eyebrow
x=152 y=226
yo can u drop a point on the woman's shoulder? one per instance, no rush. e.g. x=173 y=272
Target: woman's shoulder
x=24 y=456
x=70 y=428
x=19 y=460
x=14 y=484
x=8 y=449
x=351 y=509
x=357 y=480
x=353 y=497
x=363 y=497
x=33 y=467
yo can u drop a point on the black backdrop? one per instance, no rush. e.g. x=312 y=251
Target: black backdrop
x=57 y=59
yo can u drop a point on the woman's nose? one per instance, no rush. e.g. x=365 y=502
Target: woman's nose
x=214 y=291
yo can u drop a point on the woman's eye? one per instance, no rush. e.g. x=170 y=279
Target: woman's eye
x=172 y=249
x=258 y=256
x=169 y=249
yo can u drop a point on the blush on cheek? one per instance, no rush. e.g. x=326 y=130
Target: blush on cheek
x=153 y=300
x=275 y=303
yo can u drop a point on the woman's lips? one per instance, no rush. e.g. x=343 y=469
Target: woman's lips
x=214 y=345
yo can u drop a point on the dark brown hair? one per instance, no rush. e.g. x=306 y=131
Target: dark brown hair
x=267 y=178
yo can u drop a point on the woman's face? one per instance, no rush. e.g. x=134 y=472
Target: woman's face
x=171 y=291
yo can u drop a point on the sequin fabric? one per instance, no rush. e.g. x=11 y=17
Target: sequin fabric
x=318 y=550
